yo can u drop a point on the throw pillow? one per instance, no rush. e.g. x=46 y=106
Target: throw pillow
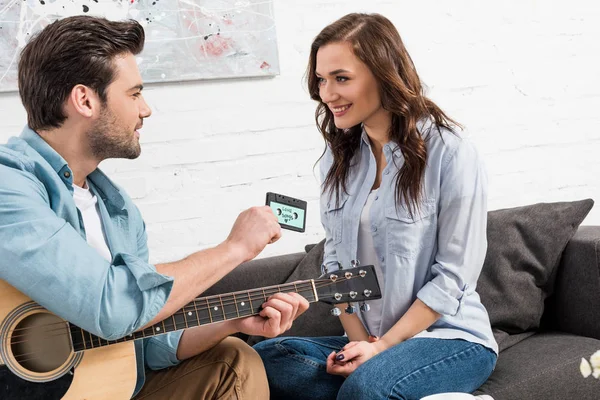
x=525 y=245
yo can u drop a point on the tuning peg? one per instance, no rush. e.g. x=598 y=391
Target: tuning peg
x=364 y=307
x=333 y=277
x=348 y=275
x=352 y=294
x=367 y=292
x=336 y=312
x=351 y=309
x=354 y=263
x=337 y=296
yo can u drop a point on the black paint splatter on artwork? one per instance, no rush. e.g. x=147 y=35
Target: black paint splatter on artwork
x=86 y=8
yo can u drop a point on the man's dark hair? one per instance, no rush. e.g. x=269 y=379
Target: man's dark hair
x=69 y=52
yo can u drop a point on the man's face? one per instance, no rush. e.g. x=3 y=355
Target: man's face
x=115 y=133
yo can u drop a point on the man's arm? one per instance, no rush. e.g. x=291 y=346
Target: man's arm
x=251 y=232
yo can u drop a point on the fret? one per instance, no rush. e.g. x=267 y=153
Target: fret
x=237 y=310
x=191 y=314
x=216 y=311
x=222 y=308
x=244 y=305
x=91 y=340
x=250 y=302
x=85 y=346
x=169 y=324
x=208 y=309
x=180 y=323
x=185 y=317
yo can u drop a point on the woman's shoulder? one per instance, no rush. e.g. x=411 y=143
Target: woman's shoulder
x=446 y=144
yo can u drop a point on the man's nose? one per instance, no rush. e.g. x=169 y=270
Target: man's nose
x=145 y=110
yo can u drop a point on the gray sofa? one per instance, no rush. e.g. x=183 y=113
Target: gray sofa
x=541 y=363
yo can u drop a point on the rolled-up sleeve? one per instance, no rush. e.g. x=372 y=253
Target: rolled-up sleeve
x=44 y=257
x=462 y=222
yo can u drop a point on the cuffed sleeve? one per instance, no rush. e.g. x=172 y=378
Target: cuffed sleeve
x=462 y=222
x=161 y=351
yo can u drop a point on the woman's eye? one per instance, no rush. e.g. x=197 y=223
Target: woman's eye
x=341 y=79
x=320 y=81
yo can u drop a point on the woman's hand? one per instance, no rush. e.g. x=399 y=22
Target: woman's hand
x=353 y=355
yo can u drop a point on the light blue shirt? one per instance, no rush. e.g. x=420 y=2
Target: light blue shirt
x=44 y=253
x=435 y=255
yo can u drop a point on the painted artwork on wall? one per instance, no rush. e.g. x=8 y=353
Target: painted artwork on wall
x=185 y=39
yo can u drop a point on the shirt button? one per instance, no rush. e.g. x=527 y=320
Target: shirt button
x=374 y=229
x=67 y=174
x=376 y=197
x=387 y=172
x=382 y=259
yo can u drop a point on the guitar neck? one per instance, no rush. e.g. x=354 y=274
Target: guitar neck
x=202 y=311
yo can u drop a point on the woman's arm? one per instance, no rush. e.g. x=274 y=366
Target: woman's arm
x=418 y=318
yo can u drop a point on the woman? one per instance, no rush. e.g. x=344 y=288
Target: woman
x=404 y=192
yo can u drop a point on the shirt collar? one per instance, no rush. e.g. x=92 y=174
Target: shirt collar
x=39 y=145
x=100 y=183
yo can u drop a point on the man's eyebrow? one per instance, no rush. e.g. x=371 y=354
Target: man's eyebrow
x=335 y=72
x=139 y=87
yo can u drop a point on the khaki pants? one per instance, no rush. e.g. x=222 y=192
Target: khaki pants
x=230 y=370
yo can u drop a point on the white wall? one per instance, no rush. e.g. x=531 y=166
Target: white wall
x=523 y=76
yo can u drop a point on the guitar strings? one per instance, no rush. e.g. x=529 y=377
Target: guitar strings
x=218 y=299
x=38 y=354
x=307 y=285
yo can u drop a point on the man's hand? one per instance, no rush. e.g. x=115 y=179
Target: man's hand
x=276 y=317
x=253 y=229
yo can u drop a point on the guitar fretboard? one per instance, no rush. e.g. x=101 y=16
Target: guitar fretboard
x=201 y=311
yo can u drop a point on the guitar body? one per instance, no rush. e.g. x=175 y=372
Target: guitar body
x=35 y=346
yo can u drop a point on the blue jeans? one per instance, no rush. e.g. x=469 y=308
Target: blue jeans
x=296 y=369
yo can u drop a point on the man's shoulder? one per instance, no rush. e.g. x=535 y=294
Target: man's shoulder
x=16 y=153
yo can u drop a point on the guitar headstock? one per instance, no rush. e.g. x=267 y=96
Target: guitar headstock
x=348 y=285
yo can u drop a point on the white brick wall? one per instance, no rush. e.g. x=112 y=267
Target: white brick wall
x=523 y=76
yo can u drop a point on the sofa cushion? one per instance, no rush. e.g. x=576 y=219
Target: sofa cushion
x=317 y=320
x=525 y=245
x=544 y=366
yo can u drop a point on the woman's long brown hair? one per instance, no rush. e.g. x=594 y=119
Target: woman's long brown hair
x=377 y=43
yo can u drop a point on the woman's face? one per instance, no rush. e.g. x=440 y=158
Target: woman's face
x=347 y=86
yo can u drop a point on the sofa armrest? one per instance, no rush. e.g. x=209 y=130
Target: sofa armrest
x=577 y=290
x=257 y=273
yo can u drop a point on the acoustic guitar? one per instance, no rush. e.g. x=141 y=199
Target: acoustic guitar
x=41 y=349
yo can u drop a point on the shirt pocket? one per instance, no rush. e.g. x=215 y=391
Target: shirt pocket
x=333 y=215
x=407 y=235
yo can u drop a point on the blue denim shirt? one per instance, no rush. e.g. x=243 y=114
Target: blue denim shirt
x=44 y=253
x=436 y=254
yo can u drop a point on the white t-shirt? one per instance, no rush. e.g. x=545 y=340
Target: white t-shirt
x=87 y=204
x=367 y=256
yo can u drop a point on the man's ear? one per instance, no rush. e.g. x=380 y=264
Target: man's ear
x=84 y=101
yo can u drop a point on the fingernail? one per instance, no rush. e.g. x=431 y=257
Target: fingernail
x=339 y=357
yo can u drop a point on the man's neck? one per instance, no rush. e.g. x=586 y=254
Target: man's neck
x=70 y=144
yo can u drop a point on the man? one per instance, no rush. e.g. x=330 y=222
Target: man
x=75 y=243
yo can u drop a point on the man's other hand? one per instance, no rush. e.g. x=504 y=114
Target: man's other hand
x=253 y=229
x=276 y=317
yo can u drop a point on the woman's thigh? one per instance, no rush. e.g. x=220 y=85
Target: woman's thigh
x=297 y=366
x=421 y=367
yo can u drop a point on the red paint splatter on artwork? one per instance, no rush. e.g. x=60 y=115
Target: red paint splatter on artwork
x=265 y=65
x=216 y=45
